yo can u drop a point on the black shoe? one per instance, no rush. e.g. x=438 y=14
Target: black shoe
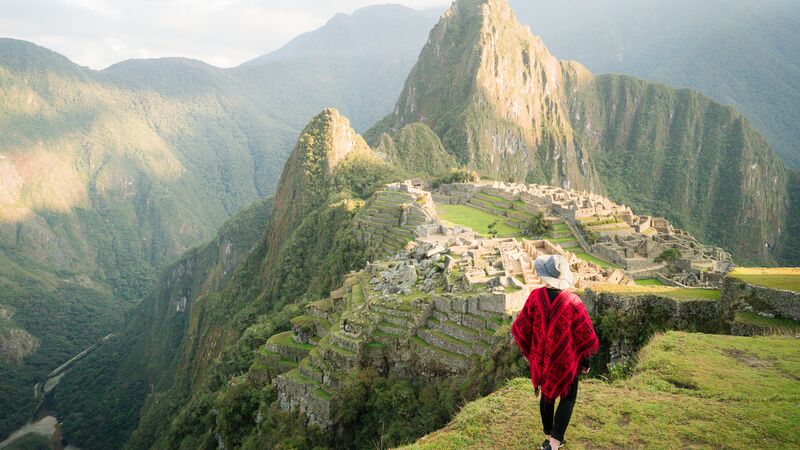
x=546 y=445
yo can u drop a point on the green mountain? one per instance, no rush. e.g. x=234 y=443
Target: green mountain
x=107 y=176
x=104 y=181
x=742 y=53
x=216 y=306
x=504 y=105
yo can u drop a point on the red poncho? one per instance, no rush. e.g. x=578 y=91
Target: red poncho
x=554 y=337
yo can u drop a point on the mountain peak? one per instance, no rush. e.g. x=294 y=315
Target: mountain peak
x=495 y=96
x=23 y=56
x=326 y=141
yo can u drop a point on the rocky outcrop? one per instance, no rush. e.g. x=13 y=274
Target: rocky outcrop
x=494 y=95
x=16 y=344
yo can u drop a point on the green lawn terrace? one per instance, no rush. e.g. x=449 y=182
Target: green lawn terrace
x=688 y=390
x=675 y=293
x=783 y=278
x=633 y=312
x=476 y=219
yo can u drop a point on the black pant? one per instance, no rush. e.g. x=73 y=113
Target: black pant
x=556 y=426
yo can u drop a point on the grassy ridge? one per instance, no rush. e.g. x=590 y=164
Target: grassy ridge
x=683 y=386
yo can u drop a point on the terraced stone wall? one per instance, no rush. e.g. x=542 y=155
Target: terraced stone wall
x=388 y=222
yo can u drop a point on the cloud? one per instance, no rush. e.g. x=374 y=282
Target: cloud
x=98 y=33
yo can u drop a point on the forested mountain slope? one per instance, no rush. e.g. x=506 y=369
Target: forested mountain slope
x=743 y=53
x=218 y=313
x=107 y=176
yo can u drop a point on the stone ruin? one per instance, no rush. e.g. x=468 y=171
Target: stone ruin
x=622 y=238
x=436 y=294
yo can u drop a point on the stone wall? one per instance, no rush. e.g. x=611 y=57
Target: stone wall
x=737 y=294
x=625 y=322
x=304 y=397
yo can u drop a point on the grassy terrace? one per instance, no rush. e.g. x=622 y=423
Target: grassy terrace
x=786 y=278
x=476 y=219
x=778 y=325
x=593 y=259
x=681 y=294
x=421 y=342
x=320 y=389
x=688 y=390
x=649 y=282
x=287 y=340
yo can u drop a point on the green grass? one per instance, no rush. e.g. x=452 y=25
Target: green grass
x=463 y=328
x=649 y=282
x=341 y=350
x=448 y=338
x=358 y=293
x=303 y=320
x=685 y=384
x=776 y=324
x=786 y=278
x=680 y=294
x=593 y=259
x=287 y=340
x=421 y=342
x=494 y=198
x=386 y=335
x=476 y=219
x=562 y=239
x=300 y=378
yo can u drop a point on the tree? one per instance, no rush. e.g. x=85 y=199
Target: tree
x=669 y=257
x=537 y=226
x=493 y=229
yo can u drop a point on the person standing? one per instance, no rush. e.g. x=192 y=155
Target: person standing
x=557 y=337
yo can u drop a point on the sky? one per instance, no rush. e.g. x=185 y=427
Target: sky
x=225 y=33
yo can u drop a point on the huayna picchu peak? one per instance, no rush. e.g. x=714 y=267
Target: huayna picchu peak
x=495 y=96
